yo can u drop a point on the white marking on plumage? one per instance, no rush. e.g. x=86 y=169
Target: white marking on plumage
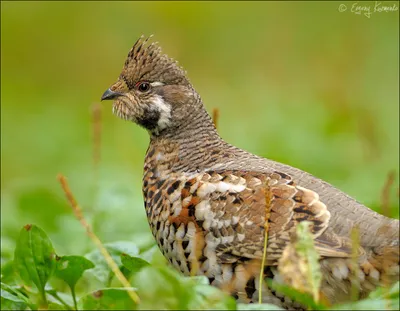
x=164 y=214
x=171 y=236
x=322 y=211
x=221 y=186
x=186 y=200
x=227 y=273
x=157 y=83
x=227 y=239
x=177 y=208
x=235 y=220
x=227 y=222
x=374 y=274
x=205 y=266
x=240 y=236
x=180 y=233
x=175 y=195
x=159 y=156
x=209 y=252
x=194 y=186
x=191 y=231
x=165 y=112
x=208 y=220
x=202 y=209
x=205 y=189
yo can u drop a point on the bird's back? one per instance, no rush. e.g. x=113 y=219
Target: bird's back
x=347 y=213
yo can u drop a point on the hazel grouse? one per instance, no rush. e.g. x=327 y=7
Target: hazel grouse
x=206 y=199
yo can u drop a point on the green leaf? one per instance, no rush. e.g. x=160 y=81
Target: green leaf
x=200 y=280
x=133 y=264
x=101 y=271
x=34 y=257
x=379 y=299
x=305 y=248
x=300 y=297
x=57 y=306
x=71 y=268
x=8 y=272
x=162 y=288
x=370 y=304
x=208 y=297
x=16 y=300
x=108 y=299
x=257 y=306
x=12 y=302
x=382 y=292
x=60 y=300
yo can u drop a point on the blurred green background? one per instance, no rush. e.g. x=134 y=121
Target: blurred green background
x=298 y=82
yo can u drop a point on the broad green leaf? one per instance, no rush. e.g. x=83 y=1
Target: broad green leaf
x=12 y=302
x=379 y=299
x=200 y=280
x=382 y=292
x=57 y=306
x=133 y=264
x=101 y=271
x=62 y=299
x=257 y=306
x=34 y=257
x=162 y=288
x=107 y=299
x=8 y=272
x=208 y=297
x=154 y=256
x=71 y=268
x=300 y=297
x=395 y=290
x=125 y=271
x=369 y=304
x=17 y=298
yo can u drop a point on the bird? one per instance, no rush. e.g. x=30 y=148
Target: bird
x=206 y=199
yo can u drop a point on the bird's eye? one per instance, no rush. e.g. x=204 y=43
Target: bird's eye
x=143 y=86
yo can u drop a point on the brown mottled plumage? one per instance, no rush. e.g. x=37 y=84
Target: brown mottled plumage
x=205 y=199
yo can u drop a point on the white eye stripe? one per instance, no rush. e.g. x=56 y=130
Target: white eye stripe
x=157 y=83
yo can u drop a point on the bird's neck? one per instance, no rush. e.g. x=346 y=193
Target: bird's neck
x=194 y=125
x=187 y=146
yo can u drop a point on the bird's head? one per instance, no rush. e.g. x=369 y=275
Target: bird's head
x=152 y=90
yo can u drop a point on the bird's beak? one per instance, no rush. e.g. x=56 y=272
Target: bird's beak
x=110 y=95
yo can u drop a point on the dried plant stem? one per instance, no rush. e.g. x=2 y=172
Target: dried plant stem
x=385 y=197
x=268 y=198
x=215 y=117
x=355 y=282
x=111 y=263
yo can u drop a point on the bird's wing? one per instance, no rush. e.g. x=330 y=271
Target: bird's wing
x=232 y=208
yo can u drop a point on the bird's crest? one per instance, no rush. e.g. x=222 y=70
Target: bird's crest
x=146 y=62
